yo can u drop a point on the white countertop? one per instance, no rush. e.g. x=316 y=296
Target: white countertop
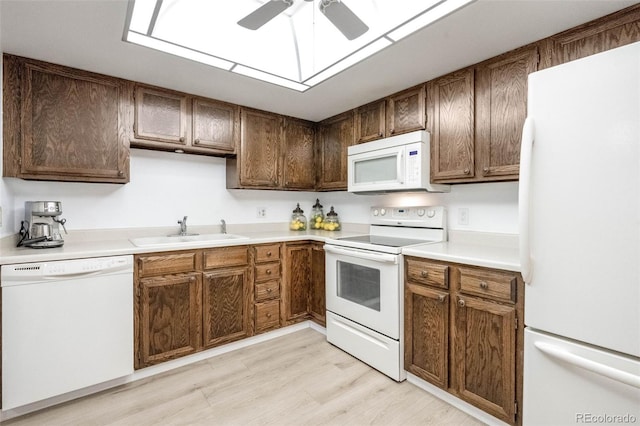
x=498 y=251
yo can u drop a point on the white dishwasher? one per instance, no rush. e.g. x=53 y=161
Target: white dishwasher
x=66 y=325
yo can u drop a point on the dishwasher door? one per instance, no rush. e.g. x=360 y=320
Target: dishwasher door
x=66 y=325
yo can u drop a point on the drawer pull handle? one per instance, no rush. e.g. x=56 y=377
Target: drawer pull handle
x=461 y=303
x=484 y=285
x=441 y=298
x=268 y=271
x=424 y=274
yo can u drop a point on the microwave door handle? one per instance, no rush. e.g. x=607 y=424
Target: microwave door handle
x=401 y=167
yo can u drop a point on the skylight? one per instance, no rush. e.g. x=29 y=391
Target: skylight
x=302 y=45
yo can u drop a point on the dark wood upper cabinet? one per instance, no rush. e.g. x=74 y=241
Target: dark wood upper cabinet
x=617 y=29
x=298 y=167
x=215 y=125
x=173 y=121
x=450 y=109
x=160 y=116
x=370 y=121
x=406 y=111
x=63 y=124
x=335 y=134
x=260 y=142
x=501 y=108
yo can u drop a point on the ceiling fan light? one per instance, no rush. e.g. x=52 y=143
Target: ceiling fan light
x=343 y=18
x=264 y=14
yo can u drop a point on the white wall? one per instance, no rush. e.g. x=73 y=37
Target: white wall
x=166 y=186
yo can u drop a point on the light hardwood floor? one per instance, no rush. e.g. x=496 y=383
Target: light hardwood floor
x=297 y=379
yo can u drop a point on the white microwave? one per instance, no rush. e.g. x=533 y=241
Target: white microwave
x=396 y=164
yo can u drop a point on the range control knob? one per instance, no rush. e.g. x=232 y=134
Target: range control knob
x=431 y=213
x=376 y=212
x=420 y=212
x=383 y=212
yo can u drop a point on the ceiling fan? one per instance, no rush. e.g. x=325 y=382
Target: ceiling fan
x=335 y=10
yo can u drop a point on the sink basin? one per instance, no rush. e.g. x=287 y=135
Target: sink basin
x=171 y=240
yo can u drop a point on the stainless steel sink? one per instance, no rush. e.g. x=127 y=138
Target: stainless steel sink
x=171 y=240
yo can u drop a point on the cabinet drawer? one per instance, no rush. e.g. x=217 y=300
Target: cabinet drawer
x=267 y=290
x=162 y=264
x=225 y=256
x=267 y=315
x=485 y=283
x=267 y=271
x=267 y=253
x=429 y=273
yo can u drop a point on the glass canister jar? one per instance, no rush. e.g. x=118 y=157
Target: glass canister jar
x=331 y=222
x=298 y=220
x=317 y=216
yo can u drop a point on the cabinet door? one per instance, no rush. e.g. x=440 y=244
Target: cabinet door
x=335 y=135
x=168 y=317
x=611 y=31
x=450 y=101
x=426 y=333
x=260 y=140
x=406 y=111
x=297 y=283
x=317 y=300
x=73 y=124
x=485 y=356
x=370 y=121
x=298 y=170
x=160 y=116
x=501 y=108
x=226 y=304
x=215 y=126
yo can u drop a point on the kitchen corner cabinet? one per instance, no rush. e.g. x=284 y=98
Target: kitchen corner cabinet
x=63 y=124
x=405 y=111
x=317 y=304
x=462 y=333
x=335 y=135
x=191 y=300
x=167 y=120
x=617 y=29
x=370 y=121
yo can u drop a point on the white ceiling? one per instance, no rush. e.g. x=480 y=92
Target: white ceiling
x=87 y=34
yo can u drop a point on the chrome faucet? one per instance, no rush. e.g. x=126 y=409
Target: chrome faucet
x=183 y=226
x=223 y=227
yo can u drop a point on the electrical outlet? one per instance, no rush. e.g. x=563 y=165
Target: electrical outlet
x=261 y=212
x=463 y=216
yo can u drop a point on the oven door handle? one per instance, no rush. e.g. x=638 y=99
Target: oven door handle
x=360 y=254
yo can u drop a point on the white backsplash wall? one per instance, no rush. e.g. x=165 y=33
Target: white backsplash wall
x=166 y=186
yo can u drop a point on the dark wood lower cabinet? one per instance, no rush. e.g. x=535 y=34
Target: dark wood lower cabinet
x=226 y=304
x=317 y=302
x=462 y=333
x=169 y=313
x=303 y=295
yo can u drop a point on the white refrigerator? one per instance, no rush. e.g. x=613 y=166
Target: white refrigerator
x=579 y=216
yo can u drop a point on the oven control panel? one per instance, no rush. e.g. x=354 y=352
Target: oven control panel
x=414 y=216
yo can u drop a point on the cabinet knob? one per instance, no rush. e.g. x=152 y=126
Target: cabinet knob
x=268 y=254
x=268 y=314
x=120 y=173
x=268 y=271
x=269 y=290
x=182 y=139
x=461 y=303
x=486 y=169
x=424 y=274
x=196 y=141
x=466 y=171
x=380 y=134
x=441 y=298
x=484 y=285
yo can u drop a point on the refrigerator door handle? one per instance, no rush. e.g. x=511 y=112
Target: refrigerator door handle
x=589 y=365
x=524 y=198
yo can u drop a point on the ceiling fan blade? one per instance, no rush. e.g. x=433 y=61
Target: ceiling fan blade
x=264 y=14
x=343 y=18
